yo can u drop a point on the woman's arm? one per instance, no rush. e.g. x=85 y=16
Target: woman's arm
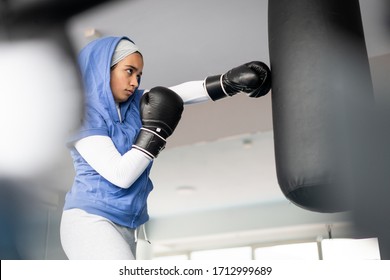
x=191 y=92
x=120 y=170
x=252 y=78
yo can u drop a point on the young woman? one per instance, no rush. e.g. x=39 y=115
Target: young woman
x=123 y=130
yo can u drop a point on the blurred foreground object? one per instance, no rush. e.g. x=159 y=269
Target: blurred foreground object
x=41 y=102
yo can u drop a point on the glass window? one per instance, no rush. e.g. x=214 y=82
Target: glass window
x=298 y=251
x=240 y=253
x=350 y=249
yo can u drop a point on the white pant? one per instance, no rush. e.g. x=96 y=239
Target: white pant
x=91 y=237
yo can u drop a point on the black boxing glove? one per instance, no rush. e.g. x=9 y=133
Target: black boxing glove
x=252 y=78
x=160 y=110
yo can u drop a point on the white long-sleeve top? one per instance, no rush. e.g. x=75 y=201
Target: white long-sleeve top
x=123 y=170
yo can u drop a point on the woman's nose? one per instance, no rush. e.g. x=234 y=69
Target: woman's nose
x=134 y=81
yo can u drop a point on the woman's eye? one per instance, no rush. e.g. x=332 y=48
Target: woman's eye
x=130 y=71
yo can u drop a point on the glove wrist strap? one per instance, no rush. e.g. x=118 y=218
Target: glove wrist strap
x=149 y=142
x=214 y=88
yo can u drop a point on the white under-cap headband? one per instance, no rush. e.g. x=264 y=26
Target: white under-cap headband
x=123 y=49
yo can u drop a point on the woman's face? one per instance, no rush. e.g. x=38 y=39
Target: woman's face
x=125 y=77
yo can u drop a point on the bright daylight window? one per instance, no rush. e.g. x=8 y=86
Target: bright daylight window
x=298 y=251
x=241 y=253
x=350 y=249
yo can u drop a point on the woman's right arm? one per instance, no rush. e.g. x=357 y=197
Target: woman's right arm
x=101 y=153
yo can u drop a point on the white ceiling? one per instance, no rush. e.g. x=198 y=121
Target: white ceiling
x=222 y=152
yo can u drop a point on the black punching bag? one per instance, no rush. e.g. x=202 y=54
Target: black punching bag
x=321 y=91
